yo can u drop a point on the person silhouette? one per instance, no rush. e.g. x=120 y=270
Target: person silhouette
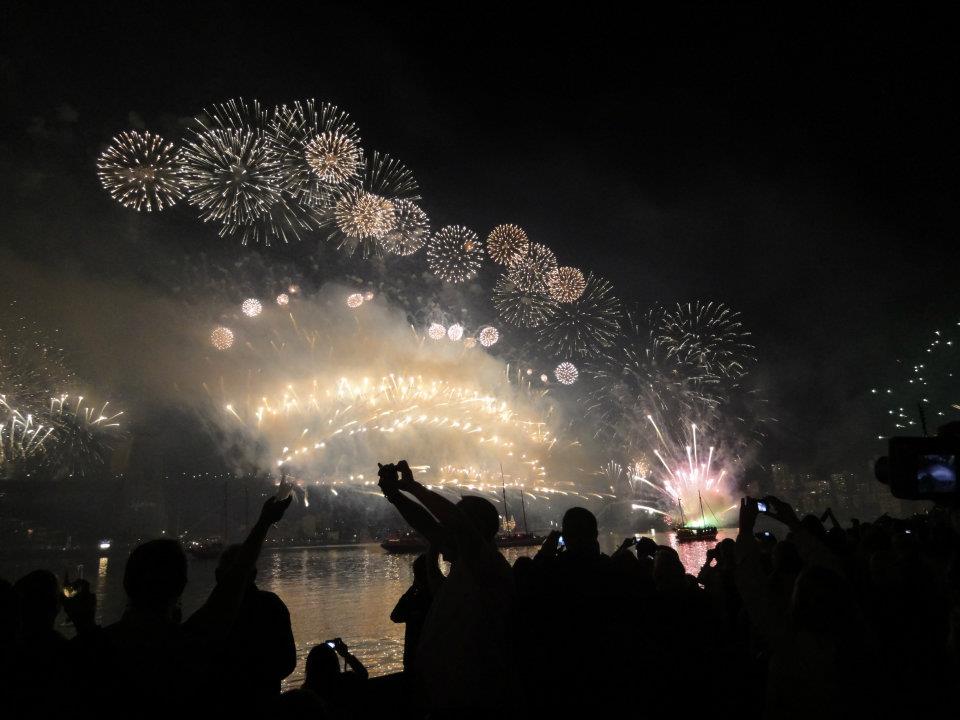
x=464 y=661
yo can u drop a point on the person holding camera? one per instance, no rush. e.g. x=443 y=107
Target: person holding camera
x=463 y=658
x=341 y=690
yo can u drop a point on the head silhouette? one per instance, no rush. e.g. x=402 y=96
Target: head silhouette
x=579 y=530
x=668 y=572
x=323 y=667
x=227 y=558
x=482 y=515
x=156 y=575
x=38 y=594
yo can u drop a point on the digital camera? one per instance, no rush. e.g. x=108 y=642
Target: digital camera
x=921 y=468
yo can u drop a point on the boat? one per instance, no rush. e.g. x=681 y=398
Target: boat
x=208 y=549
x=695 y=533
x=413 y=543
x=519 y=540
x=406 y=543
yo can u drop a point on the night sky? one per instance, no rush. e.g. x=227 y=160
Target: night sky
x=800 y=167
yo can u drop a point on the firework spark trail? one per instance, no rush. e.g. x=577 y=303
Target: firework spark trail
x=686 y=478
x=21 y=438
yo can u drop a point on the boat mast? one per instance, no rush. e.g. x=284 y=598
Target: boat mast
x=683 y=520
x=703 y=519
x=523 y=509
x=503 y=488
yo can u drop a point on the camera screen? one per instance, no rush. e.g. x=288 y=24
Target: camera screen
x=937 y=473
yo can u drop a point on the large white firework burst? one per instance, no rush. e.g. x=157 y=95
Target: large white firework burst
x=141 y=171
x=454 y=254
x=230 y=176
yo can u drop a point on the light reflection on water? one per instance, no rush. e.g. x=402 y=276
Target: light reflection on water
x=345 y=592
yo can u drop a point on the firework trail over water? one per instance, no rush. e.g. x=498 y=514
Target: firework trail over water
x=922 y=390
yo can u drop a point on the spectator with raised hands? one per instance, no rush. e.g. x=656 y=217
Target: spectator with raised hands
x=463 y=658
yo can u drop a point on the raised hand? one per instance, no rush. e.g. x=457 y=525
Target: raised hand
x=389 y=479
x=273 y=509
x=406 y=474
x=748 y=515
x=780 y=510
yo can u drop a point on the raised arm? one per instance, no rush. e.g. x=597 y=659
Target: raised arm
x=351 y=661
x=414 y=513
x=470 y=544
x=227 y=594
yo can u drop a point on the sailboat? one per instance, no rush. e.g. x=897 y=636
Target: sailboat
x=695 y=533
x=516 y=539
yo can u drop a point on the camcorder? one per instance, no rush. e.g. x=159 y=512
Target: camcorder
x=921 y=468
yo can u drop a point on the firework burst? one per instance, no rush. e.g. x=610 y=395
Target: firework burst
x=83 y=435
x=33 y=365
x=361 y=215
x=518 y=307
x=566 y=373
x=530 y=272
x=230 y=176
x=586 y=326
x=222 y=338
x=411 y=229
x=454 y=254
x=708 y=334
x=637 y=377
x=334 y=158
x=364 y=212
x=566 y=284
x=317 y=148
x=141 y=171
x=489 y=336
x=22 y=437
x=506 y=243
x=251 y=307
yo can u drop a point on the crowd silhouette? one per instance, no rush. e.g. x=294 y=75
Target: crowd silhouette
x=810 y=620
